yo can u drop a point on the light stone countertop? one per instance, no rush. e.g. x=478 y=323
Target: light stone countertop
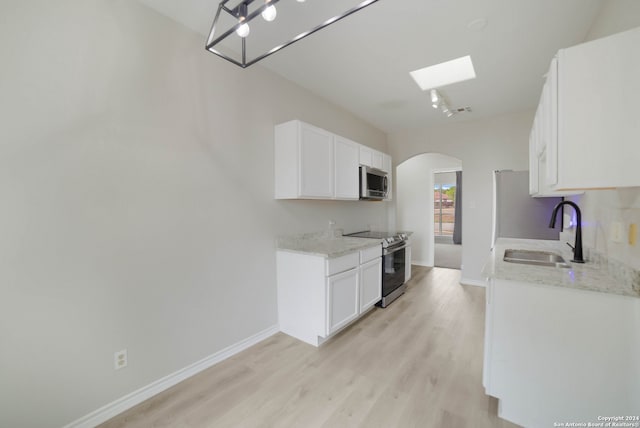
x=592 y=276
x=320 y=244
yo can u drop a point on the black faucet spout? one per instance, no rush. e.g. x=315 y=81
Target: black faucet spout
x=577 y=248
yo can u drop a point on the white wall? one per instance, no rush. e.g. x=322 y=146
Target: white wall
x=414 y=201
x=602 y=208
x=614 y=17
x=483 y=146
x=136 y=180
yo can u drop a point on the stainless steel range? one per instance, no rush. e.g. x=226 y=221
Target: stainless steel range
x=393 y=262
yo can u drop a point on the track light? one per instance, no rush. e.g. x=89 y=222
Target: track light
x=435 y=98
x=270 y=13
x=439 y=103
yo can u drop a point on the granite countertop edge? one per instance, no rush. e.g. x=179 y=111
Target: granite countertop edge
x=590 y=276
x=323 y=246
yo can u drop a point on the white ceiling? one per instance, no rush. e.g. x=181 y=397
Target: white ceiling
x=362 y=63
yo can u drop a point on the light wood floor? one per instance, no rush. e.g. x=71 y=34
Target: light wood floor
x=417 y=363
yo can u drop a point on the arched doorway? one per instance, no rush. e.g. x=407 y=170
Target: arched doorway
x=415 y=198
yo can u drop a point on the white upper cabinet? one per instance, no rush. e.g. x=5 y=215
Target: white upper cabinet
x=304 y=161
x=543 y=140
x=374 y=158
x=316 y=162
x=346 y=168
x=377 y=159
x=366 y=156
x=386 y=163
x=533 y=163
x=586 y=132
x=311 y=163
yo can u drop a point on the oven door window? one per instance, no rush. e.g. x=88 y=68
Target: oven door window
x=393 y=271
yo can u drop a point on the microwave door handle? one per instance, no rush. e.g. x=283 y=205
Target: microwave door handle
x=385 y=185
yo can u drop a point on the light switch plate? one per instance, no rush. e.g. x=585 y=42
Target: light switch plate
x=633 y=233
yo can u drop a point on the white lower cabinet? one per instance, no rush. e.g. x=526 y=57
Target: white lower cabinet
x=317 y=296
x=371 y=284
x=342 y=299
x=554 y=354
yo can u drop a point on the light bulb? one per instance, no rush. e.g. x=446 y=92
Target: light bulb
x=269 y=14
x=243 y=30
x=301 y=1
x=434 y=97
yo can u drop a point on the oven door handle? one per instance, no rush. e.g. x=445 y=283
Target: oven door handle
x=390 y=250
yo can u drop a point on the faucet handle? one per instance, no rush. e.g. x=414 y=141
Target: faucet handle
x=572 y=247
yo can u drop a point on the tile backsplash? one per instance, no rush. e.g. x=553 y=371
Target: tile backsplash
x=606 y=218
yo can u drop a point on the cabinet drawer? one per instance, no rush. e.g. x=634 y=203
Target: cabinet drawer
x=370 y=253
x=341 y=264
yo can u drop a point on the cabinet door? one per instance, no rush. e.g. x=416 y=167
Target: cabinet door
x=346 y=169
x=540 y=122
x=542 y=359
x=386 y=163
x=551 y=131
x=316 y=162
x=377 y=160
x=366 y=156
x=533 y=164
x=342 y=299
x=370 y=283
x=598 y=113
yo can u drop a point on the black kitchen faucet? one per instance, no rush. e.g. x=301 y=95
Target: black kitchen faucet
x=577 y=248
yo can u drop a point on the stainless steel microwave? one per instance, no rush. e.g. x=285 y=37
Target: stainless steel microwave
x=374 y=183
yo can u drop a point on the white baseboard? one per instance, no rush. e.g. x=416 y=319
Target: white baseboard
x=476 y=282
x=421 y=263
x=118 y=406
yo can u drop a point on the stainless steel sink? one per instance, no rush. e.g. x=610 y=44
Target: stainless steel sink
x=538 y=258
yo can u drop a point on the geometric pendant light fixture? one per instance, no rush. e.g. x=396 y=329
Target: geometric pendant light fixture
x=242 y=29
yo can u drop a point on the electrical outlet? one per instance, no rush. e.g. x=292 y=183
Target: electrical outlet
x=120 y=359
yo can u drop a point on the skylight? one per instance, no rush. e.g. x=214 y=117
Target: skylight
x=445 y=73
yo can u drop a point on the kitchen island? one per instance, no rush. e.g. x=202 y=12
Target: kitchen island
x=561 y=344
